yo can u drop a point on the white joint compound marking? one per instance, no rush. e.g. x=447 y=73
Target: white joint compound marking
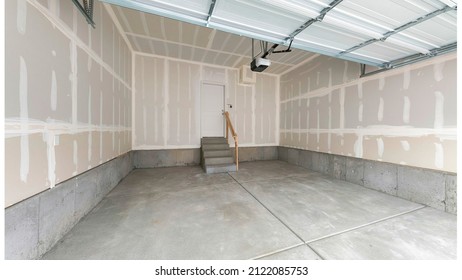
x=329 y=136
x=439 y=110
x=439 y=156
x=360 y=89
x=24 y=115
x=405 y=145
x=438 y=71
x=380 y=110
x=381 y=82
x=166 y=101
x=406 y=109
x=380 y=147
x=51 y=158
x=358 y=147
x=21 y=19
x=74 y=81
x=75 y=157
x=317 y=125
x=406 y=78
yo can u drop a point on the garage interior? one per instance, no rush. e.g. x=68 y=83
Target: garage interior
x=229 y=129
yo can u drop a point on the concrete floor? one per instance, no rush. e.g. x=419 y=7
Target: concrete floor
x=267 y=210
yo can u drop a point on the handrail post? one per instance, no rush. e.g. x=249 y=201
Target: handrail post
x=229 y=126
x=236 y=152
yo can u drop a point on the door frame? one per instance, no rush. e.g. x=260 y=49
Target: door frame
x=200 y=103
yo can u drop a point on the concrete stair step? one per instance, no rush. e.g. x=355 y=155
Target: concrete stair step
x=218 y=160
x=216 y=153
x=220 y=168
x=208 y=147
x=214 y=140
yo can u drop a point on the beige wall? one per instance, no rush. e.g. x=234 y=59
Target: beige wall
x=68 y=94
x=166 y=108
x=405 y=116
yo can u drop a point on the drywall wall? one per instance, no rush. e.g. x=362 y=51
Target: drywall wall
x=405 y=116
x=68 y=94
x=166 y=106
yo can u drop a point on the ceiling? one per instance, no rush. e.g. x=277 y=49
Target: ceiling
x=385 y=33
x=157 y=35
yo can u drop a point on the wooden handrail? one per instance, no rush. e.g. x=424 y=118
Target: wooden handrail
x=230 y=127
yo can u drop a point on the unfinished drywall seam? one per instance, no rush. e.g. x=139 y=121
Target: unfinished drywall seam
x=195 y=62
x=300 y=64
x=21 y=18
x=24 y=115
x=166 y=102
x=130 y=33
x=278 y=111
x=439 y=110
x=116 y=22
x=133 y=98
x=392 y=131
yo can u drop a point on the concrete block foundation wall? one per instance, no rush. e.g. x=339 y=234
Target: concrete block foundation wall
x=434 y=188
x=35 y=225
x=188 y=157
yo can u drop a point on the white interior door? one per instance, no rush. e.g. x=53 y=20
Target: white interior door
x=212 y=107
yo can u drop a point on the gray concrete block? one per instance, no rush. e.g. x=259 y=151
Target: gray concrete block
x=293 y=156
x=267 y=153
x=337 y=167
x=184 y=157
x=283 y=153
x=257 y=153
x=86 y=193
x=422 y=185
x=56 y=214
x=305 y=160
x=320 y=162
x=355 y=171
x=155 y=158
x=125 y=164
x=381 y=176
x=166 y=158
x=196 y=156
x=108 y=176
x=315 y=161
x=451 y=193
x=247 y=153
x=21 y=230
